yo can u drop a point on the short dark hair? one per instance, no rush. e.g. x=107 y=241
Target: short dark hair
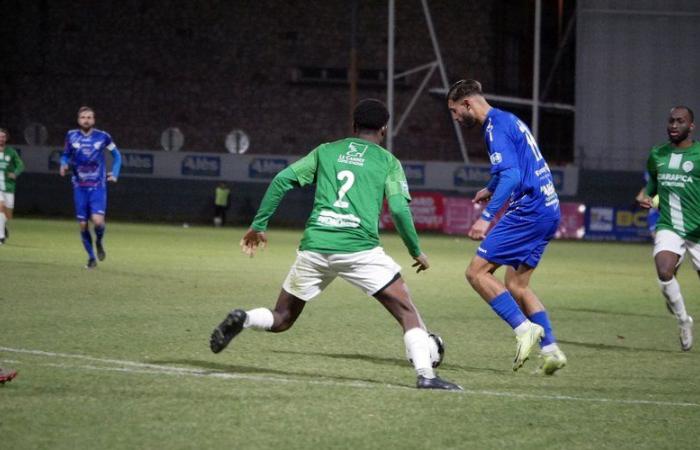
x=690 y=112
x=84 y=109
x=370 y=114
x=464 y=88
x=4 y=131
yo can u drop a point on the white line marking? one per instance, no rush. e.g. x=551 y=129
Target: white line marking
x=158 y=369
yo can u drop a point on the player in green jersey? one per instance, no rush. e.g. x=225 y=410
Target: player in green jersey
x=10 y=167
x=341 y=238
x=674 y=175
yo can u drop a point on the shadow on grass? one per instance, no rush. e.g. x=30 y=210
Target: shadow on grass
x=250 y=370
x=608 y=312
x=388 y=361
x=597 y=346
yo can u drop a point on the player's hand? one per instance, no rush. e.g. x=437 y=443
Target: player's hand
x=63 y=170
x=479 y=229
x=12 y=176
x=483 y=195
x=644 y=200
x=421 y=262
x=111 y=178
x=251 y=241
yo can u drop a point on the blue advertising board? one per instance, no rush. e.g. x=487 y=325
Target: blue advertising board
x=140 y=163
x=605 y=223
x=266 y=168
x=415 y=174
x=208 y=166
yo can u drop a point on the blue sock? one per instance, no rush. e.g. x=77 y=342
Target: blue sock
x=506 y=308
x=99 y=232
x=542 y=319
x=87 y=243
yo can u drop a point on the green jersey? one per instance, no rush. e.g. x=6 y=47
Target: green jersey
x=10 y=162
x=352 y=178
x=674 y=174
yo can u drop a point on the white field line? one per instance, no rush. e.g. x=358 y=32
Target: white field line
x=128 y=367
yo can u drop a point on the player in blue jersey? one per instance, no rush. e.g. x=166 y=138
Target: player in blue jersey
x=84 y=154
x=521 y=177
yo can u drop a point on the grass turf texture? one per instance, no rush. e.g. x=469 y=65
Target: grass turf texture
x=127 y=363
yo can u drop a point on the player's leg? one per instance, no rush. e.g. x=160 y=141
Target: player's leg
x=378 y=275
x=307 y=278
x=669 y=249
x=98 y=206
x=82 y=213
x=518 y=284
x=3 y=219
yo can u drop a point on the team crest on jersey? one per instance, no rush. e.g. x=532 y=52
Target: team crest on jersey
x=496 y=158
x=355 y=154
x=688 y=166
x=97 y=145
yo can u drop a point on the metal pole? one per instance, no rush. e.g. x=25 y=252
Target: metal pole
x=352 y=74
x=390 y=79
x=536 y=71
x=443 y=75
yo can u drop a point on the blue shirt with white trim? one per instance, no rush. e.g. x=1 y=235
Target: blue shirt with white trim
x=84 y=153
x=514 y=152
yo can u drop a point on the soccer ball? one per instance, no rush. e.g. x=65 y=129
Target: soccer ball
x=437 y=350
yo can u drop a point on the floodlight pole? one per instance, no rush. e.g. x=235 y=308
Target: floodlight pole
x=390 y=79
x=536 y=71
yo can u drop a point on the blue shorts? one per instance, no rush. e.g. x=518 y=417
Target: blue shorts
x=89 y=201
x=513 y=241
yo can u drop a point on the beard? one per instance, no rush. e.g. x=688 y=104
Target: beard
x=680 y=137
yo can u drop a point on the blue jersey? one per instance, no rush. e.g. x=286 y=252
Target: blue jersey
x=511 y=146
x=85 y=154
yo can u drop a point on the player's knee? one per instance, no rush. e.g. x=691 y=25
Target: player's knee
x=665 y=274
x=472 y=275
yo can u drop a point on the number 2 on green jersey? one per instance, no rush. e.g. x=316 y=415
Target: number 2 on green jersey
x=349 y=178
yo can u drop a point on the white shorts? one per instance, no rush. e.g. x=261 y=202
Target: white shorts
x=312 y=272
x=7 y=199
x=667 y=240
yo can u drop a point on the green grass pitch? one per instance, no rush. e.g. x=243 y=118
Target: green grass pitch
x=118 y=357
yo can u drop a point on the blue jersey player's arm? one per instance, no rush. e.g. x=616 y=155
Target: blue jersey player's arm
x=66 y=156
x=505 y=172
x=116 y=159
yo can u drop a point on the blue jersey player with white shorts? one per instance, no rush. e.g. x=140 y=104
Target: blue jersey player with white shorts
x=84 y=154
x=521 y=178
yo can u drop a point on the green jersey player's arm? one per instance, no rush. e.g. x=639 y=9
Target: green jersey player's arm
x=300 y=173
x=396 y=192
x=651 y=187
x=18 y=163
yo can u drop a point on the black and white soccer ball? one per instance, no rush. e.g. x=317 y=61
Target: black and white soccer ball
x=437 y=350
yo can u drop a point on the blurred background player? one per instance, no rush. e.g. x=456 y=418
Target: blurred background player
x=221 y=204
x=11 y=166
x=653 y=214
x=341 y=238
x=7 y=375
x=674 y=175
x=84 y=153
x=520 y=175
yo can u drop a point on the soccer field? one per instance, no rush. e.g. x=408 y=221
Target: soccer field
x=118 y=357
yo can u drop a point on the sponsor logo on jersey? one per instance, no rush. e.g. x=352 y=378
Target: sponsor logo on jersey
x=674 y=179
x=496 y=158
x=355 y=154
x=688 y=166
x=333 y=219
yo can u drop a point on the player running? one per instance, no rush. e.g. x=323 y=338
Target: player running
x=84 y=153
x=674 y=175
x=341 y=238
x=521 y=177
x=11 y=166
